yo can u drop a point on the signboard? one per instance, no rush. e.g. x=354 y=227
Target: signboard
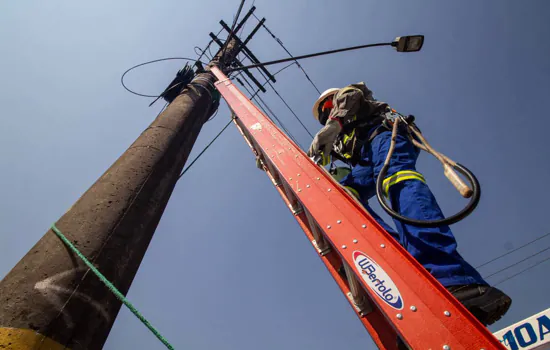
x=531 y=333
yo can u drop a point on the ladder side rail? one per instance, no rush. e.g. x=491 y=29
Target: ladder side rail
x=380 y=331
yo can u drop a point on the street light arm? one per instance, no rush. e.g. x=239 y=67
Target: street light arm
x=308 y=56
x=409 y=43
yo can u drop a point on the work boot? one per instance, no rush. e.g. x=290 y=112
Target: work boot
x=487 y=304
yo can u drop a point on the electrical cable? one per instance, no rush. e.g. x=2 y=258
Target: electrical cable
x=213 y=115
x=150 y=62
x=210 y=52
x=235 y=19
x=282 y=69
x=270 y=115
x=518 y=262
x=267 y=81
x=244 y=24
x=243 y=58
x=511 y=251
x=163 y=108
x=522 y=271
x=290 y=109
x=474 y=183
x=274 y=116
x=202 y=53
x=322 y=53
x=288 y=52
x=208 y=46
x=285 y=103
x=205 y=148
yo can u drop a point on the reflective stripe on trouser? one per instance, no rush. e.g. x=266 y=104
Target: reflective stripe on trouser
x=434 y=247
x=353 y=191
x=401 y=176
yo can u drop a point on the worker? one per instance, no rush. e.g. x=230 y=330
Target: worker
x=356 y=133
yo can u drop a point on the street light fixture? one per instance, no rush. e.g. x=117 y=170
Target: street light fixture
x=409 y=43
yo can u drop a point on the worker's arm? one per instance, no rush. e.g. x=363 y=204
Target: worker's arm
x=346 y=103
x=324 y=140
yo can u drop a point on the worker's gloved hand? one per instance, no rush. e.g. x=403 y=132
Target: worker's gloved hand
x=324 y=140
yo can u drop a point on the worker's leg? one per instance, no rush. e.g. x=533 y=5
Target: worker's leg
x=360 y=181
x=435 y=248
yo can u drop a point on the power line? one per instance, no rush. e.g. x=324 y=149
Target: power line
x=231 y=32
x=205 y=148
x=274 y=74
x=288 y=52
x=285 y=67
x=514 y=264
x=244 y=24
x=163 y=108
x=519 y=262
x=271 y=114
x=291 y=110
x=213 y=115
x=510 y=252
x=522 y=271
x=277 y=118
x=208 y=46
x=322 y=53
x=202 y=53
x=253 y=96
x=286 y=104
x=149 y=62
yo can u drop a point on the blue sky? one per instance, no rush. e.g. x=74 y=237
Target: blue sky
x=229 y=267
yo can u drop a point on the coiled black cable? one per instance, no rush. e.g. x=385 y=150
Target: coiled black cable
x=467 y=210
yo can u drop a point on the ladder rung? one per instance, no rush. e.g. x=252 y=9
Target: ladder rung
x=320 y=243
x=243 y=133
x=375 y=322
x=295 y=206
x=357 y=294
x=276 y=181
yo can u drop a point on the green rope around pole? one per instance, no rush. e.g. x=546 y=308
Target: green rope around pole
x=205 y=148
x=112 y=288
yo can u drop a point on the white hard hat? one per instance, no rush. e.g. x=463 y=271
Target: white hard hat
x=324 y=95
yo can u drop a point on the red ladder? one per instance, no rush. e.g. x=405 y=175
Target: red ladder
x=389 y=290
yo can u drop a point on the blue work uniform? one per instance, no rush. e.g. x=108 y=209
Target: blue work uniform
x=434 y=247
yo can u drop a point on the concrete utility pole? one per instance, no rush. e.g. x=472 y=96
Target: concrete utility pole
x=49 y=300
